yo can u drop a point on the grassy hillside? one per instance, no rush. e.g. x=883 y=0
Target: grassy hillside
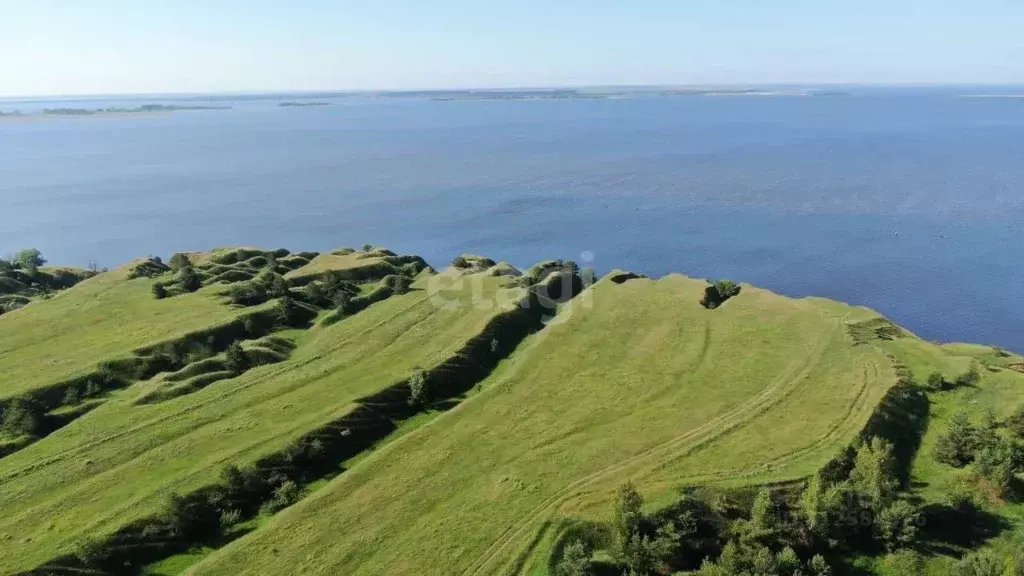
x=638 y=382
x=119 y=462
x=244 y=411
x=103 y=318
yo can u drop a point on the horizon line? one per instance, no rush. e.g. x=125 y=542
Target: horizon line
x=370 y=91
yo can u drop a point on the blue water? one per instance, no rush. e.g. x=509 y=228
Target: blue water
x=909 y=201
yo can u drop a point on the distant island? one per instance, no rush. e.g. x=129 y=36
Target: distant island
x=144 y=109
x=302 y=104
x=603 y=93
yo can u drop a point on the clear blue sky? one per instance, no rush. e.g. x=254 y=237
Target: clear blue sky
x=130 y=46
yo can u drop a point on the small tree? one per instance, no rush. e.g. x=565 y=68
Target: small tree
x=1015 y=423
x=192 y=517
x=896 y=526
x=874 y=473
x=23 y=416
x=419 y=388
x=367 y=247
x=969 y=378
x=957 y=446
x=936 y=381
x=397 y=283
x=159 y=292
x=461 y=263
x=237 y=359
x=575 y=560
x=179 y=261
x=29 y=260
x=627 y=517
x=189 y=280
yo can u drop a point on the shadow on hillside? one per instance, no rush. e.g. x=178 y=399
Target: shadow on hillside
x=945 y=529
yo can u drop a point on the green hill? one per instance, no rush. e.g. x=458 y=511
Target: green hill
x=357 y=412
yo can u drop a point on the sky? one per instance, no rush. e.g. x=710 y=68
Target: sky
x=59 y=47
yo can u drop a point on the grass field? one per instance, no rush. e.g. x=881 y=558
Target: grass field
x=639 y=382
x=121 y=461
x=103 y=318
x=633 y=380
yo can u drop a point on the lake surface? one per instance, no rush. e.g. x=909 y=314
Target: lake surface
x=909 y=201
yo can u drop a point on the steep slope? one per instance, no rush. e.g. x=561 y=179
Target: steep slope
x=632 y=381
x=120 y=462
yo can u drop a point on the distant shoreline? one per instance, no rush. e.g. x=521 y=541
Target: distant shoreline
x=146 y=109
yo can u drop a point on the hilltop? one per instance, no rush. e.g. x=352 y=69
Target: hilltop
x=253 y=411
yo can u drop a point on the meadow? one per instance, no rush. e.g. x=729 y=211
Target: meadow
x=245 y=411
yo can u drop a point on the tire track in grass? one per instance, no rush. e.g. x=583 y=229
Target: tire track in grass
x=784 y=383
x=280 y=368
x=850 y=415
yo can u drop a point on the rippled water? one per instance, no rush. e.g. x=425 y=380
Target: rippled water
x=906 y=200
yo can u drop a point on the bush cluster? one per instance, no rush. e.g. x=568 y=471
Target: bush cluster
x=718 y=292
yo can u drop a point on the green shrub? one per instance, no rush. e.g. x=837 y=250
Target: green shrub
x=237 y=360
x=179 y=261
x=159 y=292
x=1015 y=423
x=192 y=517
x=248 y=294
x=936 y=381
x=367 y=247
x=718 y=292
x=29 y=260
x=23 y=417
x=960 y=442
x=419 y=388
x=189 y=280
x=896 y=526
x=575 y=560
x=983 y=563
x=461 y=263
x=397 y=283
x=969 y=378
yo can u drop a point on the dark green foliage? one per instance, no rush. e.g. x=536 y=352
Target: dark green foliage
x=960 y=442
x=22 y=417
x=179 y=261
x=159 y=292
x=285 y=495
x=367 y=247
x=1015 y=423
x=896 y=526
x=575 y=560
x=755 y=560
x=189 y=280
x=192 y=517
x=419 y=388
x=29 y=260
x=936 y=381
x=149 y=268
x=998 y=460
x=982 y=563
x=461 y=263
x=717 y=293
x=397 y=283
x=969 y=378
x=6 y=266
x=247 y=294
x=237 y=360
x=627 y=517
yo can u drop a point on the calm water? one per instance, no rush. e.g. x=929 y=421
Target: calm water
x=909 y=201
